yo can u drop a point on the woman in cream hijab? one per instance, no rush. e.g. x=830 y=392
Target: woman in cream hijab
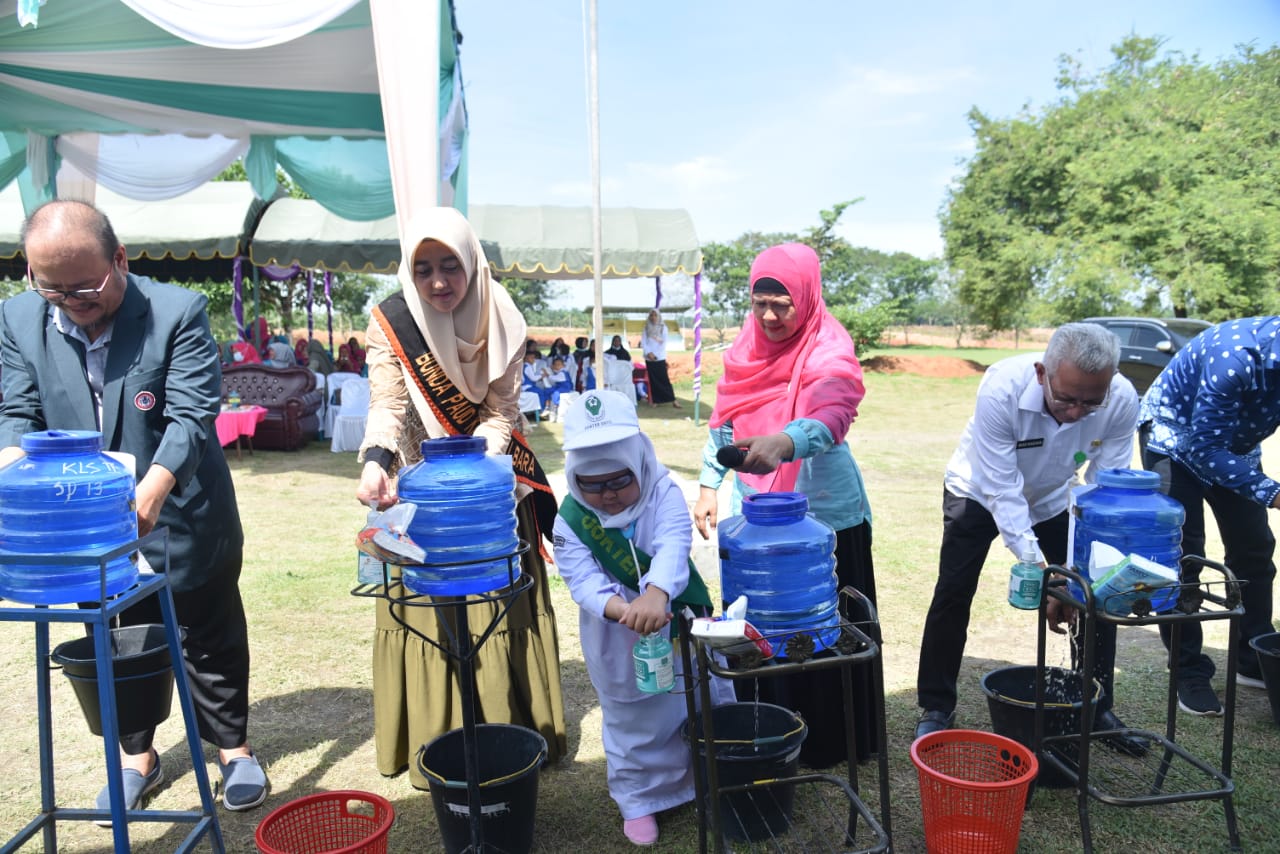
x=451 y=308
x=653 y=342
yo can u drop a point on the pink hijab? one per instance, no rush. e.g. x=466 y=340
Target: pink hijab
x=813 y=374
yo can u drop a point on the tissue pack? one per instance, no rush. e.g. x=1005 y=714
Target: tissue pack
x=1119 y=580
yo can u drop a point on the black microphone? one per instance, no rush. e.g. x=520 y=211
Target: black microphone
x=731 y=456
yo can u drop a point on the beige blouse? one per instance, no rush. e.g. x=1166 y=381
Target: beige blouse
x=400 y=428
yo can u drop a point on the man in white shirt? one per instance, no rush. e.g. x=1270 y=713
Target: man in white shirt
x=1038 y=421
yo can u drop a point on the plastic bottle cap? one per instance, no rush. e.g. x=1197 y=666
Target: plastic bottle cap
x=450 y=445
x=778 y=507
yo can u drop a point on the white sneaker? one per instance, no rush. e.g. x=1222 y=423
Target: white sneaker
x=1250 y=681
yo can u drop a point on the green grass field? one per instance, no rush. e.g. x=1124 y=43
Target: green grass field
x=311 y=719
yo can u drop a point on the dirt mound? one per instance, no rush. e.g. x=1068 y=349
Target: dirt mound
x=925 y=366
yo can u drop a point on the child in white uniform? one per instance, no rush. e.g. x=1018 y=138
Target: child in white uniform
x=622 y=544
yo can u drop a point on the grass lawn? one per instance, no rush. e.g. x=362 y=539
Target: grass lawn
x=311 y=718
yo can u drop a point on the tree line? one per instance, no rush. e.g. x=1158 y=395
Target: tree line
x=1150 y=187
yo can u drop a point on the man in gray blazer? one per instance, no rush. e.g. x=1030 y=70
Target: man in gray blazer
x=93 y=347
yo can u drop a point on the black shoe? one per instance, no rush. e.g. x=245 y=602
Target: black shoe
x=935 y=721
x=1130 y=745
x=1196 y=697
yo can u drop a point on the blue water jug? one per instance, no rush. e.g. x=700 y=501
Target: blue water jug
x=65 y=497
x=466 y=512
x=1127 y=511
x=783 y=560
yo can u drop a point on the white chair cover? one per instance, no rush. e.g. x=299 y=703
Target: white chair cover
x=566 y=400
x=617 y=376
x=351 y=415
x=531 y=404
x=337 y=380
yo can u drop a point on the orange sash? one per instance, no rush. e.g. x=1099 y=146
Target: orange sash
x=452 y=409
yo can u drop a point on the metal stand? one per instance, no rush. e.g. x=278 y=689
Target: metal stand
x=203 y=822
x=859 y=643
x=1169 y=773
x=460 y=648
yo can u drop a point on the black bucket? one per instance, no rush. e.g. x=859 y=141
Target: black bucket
x=754 y=742
x=1267 y=648
x=143 y=677
x=509 y=758
x=1011 y=699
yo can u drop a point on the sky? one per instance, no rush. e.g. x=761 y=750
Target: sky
x=756 y=116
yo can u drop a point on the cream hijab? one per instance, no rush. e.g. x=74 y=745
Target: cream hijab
x=476 y=342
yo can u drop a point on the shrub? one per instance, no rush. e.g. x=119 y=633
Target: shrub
x=866 y=327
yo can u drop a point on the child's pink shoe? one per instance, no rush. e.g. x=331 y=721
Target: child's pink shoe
x=641 y=831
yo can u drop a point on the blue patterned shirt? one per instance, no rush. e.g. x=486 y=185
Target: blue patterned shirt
x=1217 y=399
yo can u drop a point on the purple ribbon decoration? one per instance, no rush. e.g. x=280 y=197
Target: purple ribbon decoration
x=237 y=296
x=328 y=302
x=310 y=318
x=697 y=334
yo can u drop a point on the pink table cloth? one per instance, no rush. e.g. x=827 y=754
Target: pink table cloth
x=234 y=423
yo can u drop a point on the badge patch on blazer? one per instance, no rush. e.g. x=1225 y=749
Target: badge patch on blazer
x=1029 y=443
x=144 y=400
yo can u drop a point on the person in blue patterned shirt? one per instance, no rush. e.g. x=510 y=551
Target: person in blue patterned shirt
x=1200 y=427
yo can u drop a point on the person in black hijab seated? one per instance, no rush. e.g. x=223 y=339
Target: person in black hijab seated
x=617 y=350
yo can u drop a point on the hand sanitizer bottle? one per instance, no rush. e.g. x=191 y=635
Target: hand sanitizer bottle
x=1026 y=578
x=655 y=672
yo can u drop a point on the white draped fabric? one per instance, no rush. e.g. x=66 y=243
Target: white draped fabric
x=410 y=104
x=147 y=168
x=293 y=83
x=239 y=24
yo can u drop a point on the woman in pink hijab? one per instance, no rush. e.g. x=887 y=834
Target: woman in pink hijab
x=791 y=388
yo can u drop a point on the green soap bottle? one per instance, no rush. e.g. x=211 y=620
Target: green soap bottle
x=655 y=671
x=1025 y=579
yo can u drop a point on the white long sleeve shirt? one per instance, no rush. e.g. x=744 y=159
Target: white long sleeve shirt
x=1017 y=461
x=657 y=345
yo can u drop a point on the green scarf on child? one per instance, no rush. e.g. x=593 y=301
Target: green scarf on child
x=612 y=550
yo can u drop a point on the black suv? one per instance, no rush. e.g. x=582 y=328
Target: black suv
x=1148 y=343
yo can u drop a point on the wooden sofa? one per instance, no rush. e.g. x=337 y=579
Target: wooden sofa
x=291 y=399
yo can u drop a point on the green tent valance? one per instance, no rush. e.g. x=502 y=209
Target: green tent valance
x=192 y=237
x=218 y=221
x=521 y=241
x=551 y=242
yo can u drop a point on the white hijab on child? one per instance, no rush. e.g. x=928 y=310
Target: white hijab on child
x=602 y=436
x=635 y=453
x=476 y=342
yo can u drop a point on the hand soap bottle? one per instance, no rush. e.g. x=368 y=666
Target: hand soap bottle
x=1026 y=578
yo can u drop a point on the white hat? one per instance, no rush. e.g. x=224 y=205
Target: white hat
x=598 y=418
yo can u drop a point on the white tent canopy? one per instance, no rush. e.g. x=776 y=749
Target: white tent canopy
x=531 y=242
x=151 y=98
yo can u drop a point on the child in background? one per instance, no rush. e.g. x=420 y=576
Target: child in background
x=557 y=382
x=532 y=378
x=622 y=544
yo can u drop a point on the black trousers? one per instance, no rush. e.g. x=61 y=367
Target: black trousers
x=216 y=654
x=968 y=530
x=1249 y=546
x=659 y=382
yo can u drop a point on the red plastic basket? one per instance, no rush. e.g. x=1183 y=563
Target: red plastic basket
x=973 y=789
x=341 y=822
